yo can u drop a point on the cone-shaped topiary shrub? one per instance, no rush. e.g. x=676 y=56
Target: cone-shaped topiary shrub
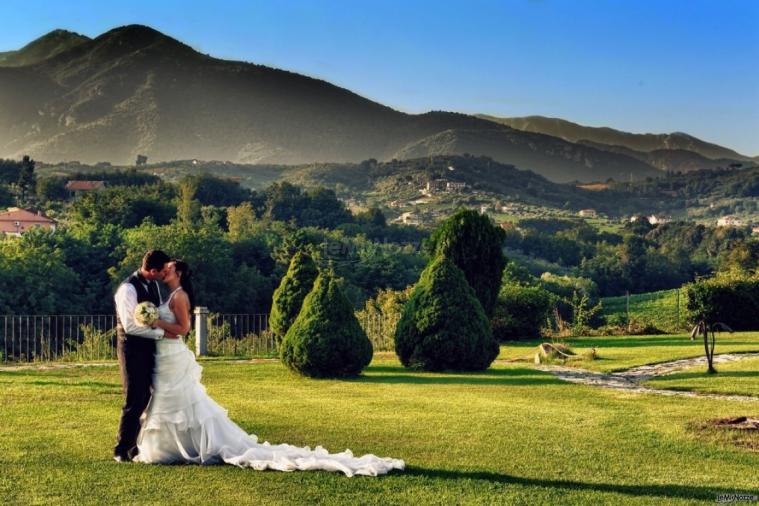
x=326 y=339
x=288 y=297
x=443 y=325
x=475 y=245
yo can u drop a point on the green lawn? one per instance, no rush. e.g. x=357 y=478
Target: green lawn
x=664 y=310
x=509 y=435
x=622 y=352
x=732 y=378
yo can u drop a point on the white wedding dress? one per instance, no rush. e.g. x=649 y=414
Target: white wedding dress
x=182 y=424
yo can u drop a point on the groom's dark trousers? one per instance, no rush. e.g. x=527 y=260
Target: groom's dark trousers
x=136 y=361
x=136 y=356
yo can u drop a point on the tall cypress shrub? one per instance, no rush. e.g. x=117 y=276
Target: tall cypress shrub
x=326 y=339
x=288 y=297
x=475 y=245
x=443 y=325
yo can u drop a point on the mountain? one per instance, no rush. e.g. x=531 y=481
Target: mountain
x=573 y=132
x=674 y=160
x=134 y=90
x=549 y=156
x=41 y=49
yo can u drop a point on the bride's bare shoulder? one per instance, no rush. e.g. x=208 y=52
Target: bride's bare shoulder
x=180 y=297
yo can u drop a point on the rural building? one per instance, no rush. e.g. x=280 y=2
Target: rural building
x=409 y=218
x=588 y=213
x=455 y=186
x=76 y=188
x=435 y=185
x=16 y=221
x=730 y=221
x=659 y=219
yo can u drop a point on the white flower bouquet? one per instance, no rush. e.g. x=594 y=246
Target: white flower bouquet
x=145 y=313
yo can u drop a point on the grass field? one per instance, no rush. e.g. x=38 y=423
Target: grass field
x=622 y=352
x=664 y=310
x=731 y=378
x=509 y=435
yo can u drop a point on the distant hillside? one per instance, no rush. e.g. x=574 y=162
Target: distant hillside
x=675 y=160
x=41 y=49
x=134 y=90
x=573 y=132
x=551 y=157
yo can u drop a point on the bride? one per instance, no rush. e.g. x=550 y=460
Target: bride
x=184 y=425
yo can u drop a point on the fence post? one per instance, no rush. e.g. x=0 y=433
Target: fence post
x=677 y=316
x=201 y=331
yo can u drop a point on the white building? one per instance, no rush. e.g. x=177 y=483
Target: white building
x=409 y=218
x=730 y=221
x=587 y=213
x=455 y=186
x=659 y=219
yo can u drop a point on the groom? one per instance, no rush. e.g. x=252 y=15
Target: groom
x=136 y=348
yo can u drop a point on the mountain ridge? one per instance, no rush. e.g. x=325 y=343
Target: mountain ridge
x=133 y=90
x=574 y=132
x=42 y=48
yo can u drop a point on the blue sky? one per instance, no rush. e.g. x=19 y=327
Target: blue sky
x=642 y=66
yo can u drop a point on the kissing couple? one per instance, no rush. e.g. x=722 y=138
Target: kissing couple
x=167 y=416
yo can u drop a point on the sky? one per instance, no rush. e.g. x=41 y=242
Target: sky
x=641 y=66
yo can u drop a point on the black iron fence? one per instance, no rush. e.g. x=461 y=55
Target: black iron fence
x=77 y=338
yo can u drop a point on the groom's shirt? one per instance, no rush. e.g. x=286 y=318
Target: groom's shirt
x=126 y=302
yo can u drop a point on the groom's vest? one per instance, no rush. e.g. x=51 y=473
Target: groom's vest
x=143 y=295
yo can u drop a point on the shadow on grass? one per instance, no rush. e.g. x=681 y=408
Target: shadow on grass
x=511 y=376
x=668 y=491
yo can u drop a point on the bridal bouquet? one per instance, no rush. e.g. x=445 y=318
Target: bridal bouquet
x=145 y=313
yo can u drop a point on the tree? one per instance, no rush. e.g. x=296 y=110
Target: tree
x=240 y=221
x=215 y=191
x=521 y=311
x=34 y=278
x=381 y=314
x=125 y=206
x=51 y=188
x=326 y=339
x=288 y=297
x=443 y=325
x=474 y=245
x=26 y=178
x=188 y=209
x=372 y=216
x=222 y=283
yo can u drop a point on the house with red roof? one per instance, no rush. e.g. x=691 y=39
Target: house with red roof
x=76 y=188
x=16 y=221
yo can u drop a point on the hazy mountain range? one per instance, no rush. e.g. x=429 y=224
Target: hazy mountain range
x=133 y=90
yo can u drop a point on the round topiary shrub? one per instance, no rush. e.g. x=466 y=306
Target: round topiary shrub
x=443 y=325
x=475 y=245
x=288 y=297
x=521 y=312
x=326 y=339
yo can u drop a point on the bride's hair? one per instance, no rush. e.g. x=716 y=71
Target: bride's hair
x=185 y=281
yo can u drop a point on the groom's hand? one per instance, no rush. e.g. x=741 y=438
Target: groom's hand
x=169 y=335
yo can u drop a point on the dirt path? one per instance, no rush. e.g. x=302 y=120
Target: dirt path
x=630 y=380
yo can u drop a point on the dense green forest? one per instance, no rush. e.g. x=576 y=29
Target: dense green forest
x=241 y=240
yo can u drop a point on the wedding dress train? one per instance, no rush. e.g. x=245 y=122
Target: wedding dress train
x=182 y=424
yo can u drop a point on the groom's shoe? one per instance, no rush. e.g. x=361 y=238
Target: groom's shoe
x=122 y=457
